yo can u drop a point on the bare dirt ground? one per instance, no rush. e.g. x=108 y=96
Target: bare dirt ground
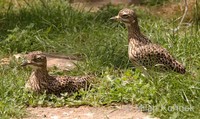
x=86 y=112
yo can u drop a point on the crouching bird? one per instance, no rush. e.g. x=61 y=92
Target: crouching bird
x=40 y=81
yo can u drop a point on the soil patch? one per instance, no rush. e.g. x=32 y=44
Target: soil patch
x=86 y=112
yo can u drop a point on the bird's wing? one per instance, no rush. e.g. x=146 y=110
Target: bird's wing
x=154 y=56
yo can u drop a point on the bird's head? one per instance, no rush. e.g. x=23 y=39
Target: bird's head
x=126 y=16
x=35 y=60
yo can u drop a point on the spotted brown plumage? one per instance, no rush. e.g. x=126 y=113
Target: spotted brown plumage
x=141 y=51
x=40 y=81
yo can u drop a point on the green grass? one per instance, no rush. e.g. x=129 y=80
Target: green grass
x=56 y=27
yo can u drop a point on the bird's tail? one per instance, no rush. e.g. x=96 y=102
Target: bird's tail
x=178 y=67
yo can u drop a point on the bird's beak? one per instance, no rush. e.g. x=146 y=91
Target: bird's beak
x=25 y=63
x=115 y=18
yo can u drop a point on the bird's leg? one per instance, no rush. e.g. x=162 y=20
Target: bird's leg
x=144 y=71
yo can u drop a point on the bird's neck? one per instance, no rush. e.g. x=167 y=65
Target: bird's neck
x=135 y=35
x=133 y=30
x=38 y=80
x=40 y=73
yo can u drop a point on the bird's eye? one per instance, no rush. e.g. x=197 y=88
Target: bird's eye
x=39 y=58
x=125 y=16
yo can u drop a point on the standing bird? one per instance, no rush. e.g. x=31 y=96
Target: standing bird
x=40 y=81
x=141 y=51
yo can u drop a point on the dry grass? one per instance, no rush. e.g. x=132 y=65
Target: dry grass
x=173 y=9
